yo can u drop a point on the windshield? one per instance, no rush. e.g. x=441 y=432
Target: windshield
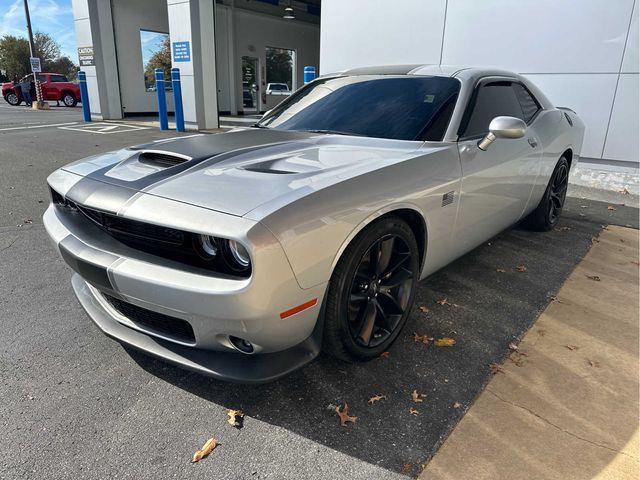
x=395 y=107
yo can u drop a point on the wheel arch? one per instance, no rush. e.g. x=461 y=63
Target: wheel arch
x=568 y=154
x=411 y=214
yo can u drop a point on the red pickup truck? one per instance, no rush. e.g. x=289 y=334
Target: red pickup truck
x=55 y=87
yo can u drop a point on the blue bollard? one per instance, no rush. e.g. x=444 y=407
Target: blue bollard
x=309 y=74
x=84 y=96
x=162 y=100
x=177 y=99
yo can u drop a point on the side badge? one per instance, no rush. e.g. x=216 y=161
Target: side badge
x=447 y=198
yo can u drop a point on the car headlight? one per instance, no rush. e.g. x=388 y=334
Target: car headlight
x=209 y=245
x=239 y=257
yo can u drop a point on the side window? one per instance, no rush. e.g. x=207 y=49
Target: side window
x=492 y=100
x=58 y=78
x=41 y=78
x=529 y=104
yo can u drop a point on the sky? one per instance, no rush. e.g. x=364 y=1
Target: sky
x=54 y=17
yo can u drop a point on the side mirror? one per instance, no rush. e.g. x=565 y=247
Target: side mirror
x=503 y=127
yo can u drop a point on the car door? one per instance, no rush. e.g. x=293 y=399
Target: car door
x=46 y=86
x=496 y=183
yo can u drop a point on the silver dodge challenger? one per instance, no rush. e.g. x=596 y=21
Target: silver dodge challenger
x=244 y=254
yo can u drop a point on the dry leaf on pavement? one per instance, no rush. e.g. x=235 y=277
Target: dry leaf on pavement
x=513 y=346
x=344 y=415
x=236 y=417
x=611 y=207
x=422 y=338
x=413 y=411
x=595 y=278
x=376 y=398
x=521 y=268
x=424 y=309
x=444 y=342
x=500 y=270
x=594 y=363
x=496 y=368
x=457 y=405
x=385 y=354
x=572 y=347
x=206 y=449
x=417 y=397
x=443 y=301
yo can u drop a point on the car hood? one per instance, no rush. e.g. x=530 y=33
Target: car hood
x=237 y=171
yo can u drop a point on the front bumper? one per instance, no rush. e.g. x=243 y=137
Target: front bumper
x=214 y=307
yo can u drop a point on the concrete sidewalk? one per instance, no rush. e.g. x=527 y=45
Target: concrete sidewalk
x=565 y=404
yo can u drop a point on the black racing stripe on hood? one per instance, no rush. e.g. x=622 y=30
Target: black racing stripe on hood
x=212 y=148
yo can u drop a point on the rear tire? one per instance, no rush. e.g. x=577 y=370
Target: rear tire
x=69 y=99
x=547 y=213
x=12 y=99
x=371 y=291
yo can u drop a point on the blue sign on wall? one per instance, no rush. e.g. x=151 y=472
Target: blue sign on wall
x=181 y=52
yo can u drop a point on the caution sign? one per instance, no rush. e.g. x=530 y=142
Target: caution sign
x=85 y=56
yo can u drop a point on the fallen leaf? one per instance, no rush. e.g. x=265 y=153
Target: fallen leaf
x=236 y=417
x=611 y=207
x=206 y=449
x=417 y=397
x=496 y=368
x=572 y=347
x=413 y=411
x=385 y=354
x=443 y=301
x=375 y=398
x=500 y=270
x=457 y=405
x=595 y=240
x=521 y=268
x=513 y=346
x=621 y=240
x=28 y=221
x=444 y=342
x=595 y=278
x=422 y=338
x=594 y=364
x=344 y=415
x=424 y=309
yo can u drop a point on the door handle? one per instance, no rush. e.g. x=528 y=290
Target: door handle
x=532 y=142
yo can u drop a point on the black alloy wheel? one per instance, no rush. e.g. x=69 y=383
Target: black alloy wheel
x=547 y=213
x=380 y=291
x=371 y=291
x=558 y=191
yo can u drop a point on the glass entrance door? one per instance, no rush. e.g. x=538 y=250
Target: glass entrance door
x=250 y=85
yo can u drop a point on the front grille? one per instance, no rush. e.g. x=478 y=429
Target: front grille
x=153 y=321
x=123 y=226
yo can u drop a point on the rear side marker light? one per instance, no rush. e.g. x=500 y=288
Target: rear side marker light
x=298 y=309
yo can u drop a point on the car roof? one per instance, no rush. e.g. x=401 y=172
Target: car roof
x=461 y=71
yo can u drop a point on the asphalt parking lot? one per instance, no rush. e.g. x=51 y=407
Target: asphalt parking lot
x=76 y=404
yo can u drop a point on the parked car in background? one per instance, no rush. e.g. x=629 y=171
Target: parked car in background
x=55 y=87
x=278 y=89
x=241 y=255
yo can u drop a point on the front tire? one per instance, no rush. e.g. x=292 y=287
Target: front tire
x=371 y=291
x=547 y=213
x=69 y=99
x=12 y=99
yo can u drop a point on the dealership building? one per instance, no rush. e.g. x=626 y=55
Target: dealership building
x=582 y=53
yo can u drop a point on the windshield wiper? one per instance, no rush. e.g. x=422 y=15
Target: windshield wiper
x=332 y=132
x=257 y=125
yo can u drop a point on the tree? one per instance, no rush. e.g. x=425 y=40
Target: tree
x=279 y=66
x=160 y=59
x=14 y=55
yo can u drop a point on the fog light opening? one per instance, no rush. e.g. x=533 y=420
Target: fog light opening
x=241 y=344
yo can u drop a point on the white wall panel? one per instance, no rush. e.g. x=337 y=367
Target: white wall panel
x=591 y=96
x=622 y=138
x=630 y=62
x=537 y=36
x=358 y=33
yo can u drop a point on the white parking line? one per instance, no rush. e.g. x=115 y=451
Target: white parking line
x=105 y=128
x=38 y=126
